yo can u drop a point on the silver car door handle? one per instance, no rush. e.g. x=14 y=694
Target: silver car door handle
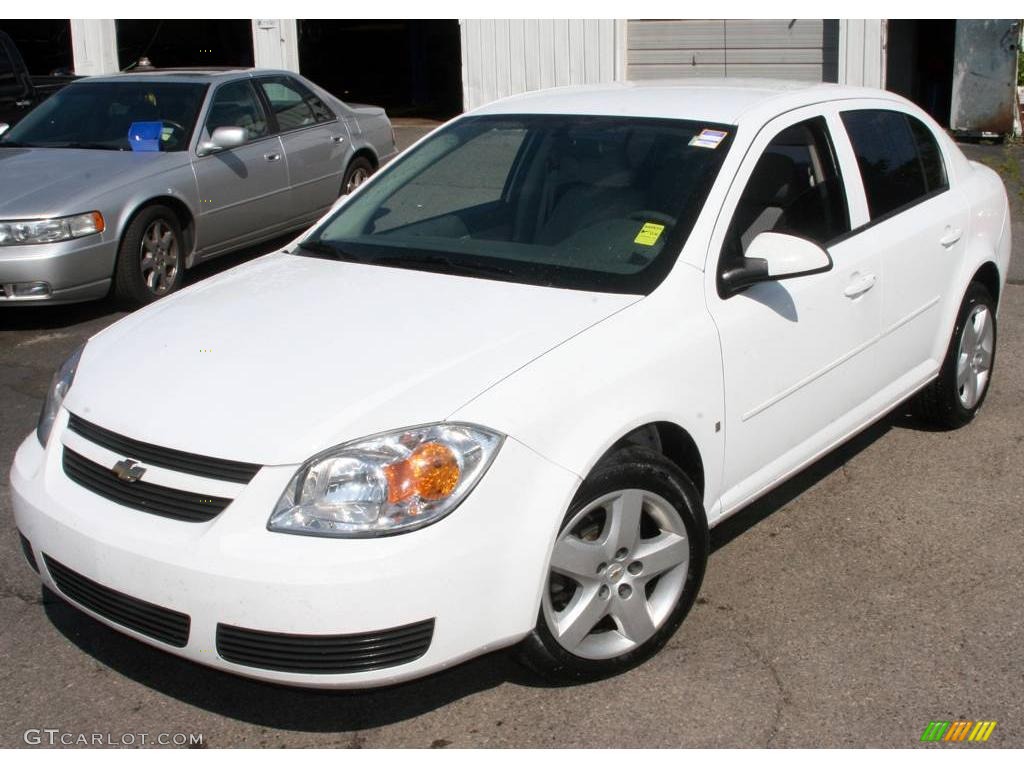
x=337 y=139
x=952 y=237
x=272 y=157
x=859 y=286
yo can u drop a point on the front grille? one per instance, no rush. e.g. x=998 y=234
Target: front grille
x=26 y=547
x=324 y=654
x=190 y=463
x=145 y=618
x=147 y=497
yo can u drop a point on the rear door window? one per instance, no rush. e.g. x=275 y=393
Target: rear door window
x=899 y=159
x=293 y=104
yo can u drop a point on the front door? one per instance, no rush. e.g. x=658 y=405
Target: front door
x=243 y=192
x=797 y=354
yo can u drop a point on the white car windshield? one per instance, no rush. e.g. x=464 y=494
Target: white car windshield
x=587 y=202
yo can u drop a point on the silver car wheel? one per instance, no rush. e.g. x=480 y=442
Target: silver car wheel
x=158 y=257
x=617 y=571
x=359 y=175
x=974 y=361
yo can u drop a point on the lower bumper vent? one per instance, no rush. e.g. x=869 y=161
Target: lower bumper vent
x=26 y=547
x=161 y=624
x=324 y=654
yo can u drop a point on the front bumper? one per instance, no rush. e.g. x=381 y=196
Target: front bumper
x=478 y=573
x=76 y=270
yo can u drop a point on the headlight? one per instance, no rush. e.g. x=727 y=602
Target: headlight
x=386 y=484
x=36 y=231
x=59 y=386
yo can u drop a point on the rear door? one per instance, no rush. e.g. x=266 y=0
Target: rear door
x=316 y=144
x=797 y=354
x=243 y=192
x=917 y=224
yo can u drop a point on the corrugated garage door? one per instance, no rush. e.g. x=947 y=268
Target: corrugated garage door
x=796 y=49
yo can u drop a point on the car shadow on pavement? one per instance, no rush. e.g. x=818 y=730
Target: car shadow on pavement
x=276 y=706
x=730 y=529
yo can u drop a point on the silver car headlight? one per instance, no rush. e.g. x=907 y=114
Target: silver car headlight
x=38 y=231
x=386 y=484
x=59 y=386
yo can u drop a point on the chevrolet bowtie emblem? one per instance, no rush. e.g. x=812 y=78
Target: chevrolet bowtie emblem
x=128 y=470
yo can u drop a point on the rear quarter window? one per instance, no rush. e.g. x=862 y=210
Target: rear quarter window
x=898 y=157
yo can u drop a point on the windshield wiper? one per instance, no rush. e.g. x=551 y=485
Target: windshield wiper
x=447 y=264
x=326 y=248
x=86 y=145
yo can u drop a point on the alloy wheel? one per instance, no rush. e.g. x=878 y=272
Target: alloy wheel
x=359 y=175
x=617 y=571
x=158 y=257
x=974 y=358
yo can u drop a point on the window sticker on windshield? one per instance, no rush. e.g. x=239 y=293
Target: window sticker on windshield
x=145 y=136
x=708 y=138
x=649 y=233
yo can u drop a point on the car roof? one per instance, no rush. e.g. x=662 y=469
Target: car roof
x=723 y=100
x=185 y=74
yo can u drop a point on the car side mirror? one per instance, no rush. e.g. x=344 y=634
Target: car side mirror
x=4 y=127
x=775 y=256
x=225 y=137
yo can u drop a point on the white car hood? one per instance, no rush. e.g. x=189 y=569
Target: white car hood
x=281 y=358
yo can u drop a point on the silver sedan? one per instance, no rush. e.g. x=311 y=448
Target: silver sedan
x=118 y=184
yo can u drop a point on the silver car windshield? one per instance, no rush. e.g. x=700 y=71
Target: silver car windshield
x=141 y=116
x=587 y=202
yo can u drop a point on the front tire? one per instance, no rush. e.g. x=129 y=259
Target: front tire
x=151 y=257
x=952 y=400
x=626 y=567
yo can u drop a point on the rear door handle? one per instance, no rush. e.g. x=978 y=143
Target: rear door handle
x=337 y=139
x=272 y=157
x=860 y=286
x=951 y=238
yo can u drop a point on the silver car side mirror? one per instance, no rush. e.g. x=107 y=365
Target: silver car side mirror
x=4 y=127
x=225 y=137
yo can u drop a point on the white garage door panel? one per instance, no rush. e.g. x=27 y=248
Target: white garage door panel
x=680 y=33
x=798 y=49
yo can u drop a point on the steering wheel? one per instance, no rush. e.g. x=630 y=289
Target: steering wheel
x=657 y=217
x=179 y=130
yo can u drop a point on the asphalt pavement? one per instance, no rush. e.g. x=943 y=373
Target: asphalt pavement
x=878 y=591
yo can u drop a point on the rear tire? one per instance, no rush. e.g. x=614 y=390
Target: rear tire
x=150 y=259
x=952 y=400
x=358 y=171
x=616 y=593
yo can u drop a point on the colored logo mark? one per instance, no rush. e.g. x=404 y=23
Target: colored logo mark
x=958 y=730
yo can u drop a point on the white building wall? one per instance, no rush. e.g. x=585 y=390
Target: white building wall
x=275 y=44
x=501 y=57
x=94 y=46
x=862 y=52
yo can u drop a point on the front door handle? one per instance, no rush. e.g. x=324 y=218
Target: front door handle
x=951 y=238
x=272 y=157
x=860 y=286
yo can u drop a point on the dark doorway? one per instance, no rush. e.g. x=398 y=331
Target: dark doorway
x=412 y=68
x=45 y=44
x=919 y=63
x=185 y=42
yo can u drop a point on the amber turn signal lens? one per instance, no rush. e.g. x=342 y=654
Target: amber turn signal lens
x=431 y=472
x=98 y=222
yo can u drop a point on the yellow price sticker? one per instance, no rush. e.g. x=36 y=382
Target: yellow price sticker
x=649 y=233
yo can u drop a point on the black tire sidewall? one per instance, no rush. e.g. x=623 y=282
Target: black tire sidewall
x=646 y=470
x=129 y=287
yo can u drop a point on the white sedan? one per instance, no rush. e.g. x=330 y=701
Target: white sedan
x=499 y=395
